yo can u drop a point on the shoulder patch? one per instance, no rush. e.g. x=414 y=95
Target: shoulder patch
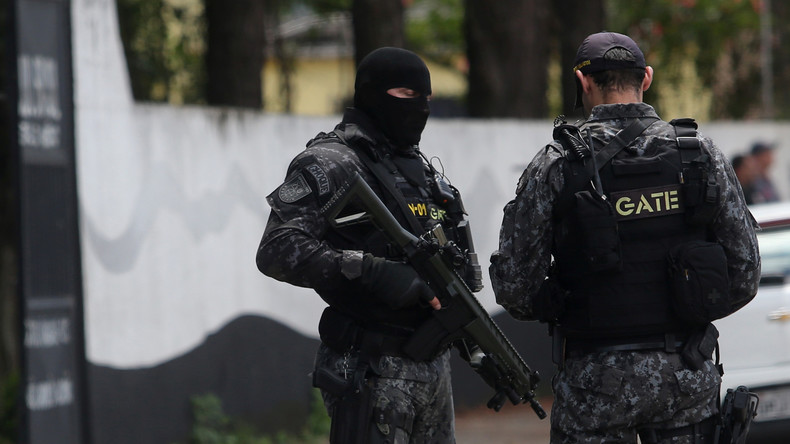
x=320 y=177
x=294 y=189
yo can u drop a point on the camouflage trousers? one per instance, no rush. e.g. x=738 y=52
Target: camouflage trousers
x=413 y=399
x=607 y=397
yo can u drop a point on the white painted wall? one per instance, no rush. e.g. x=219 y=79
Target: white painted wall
x=172 y=201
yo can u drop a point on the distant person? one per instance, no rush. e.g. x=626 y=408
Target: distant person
x=746 y=171
x=763 y=189
x=586 y=245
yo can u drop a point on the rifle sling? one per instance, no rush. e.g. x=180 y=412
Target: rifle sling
x=386 y=179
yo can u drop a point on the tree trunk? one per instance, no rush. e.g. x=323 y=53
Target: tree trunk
x=377 y=23
x=575 y=19
x=780 y=89
x=508 y=52
x=235 y=52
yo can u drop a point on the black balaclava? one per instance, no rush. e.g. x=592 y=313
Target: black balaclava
x=402 y=120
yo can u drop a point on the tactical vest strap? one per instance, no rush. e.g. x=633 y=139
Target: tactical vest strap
x=686 y=136
x=388 y=182
x=700 y=188
x=622 y=139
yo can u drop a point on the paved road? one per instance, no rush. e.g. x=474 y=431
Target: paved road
x=511 y=425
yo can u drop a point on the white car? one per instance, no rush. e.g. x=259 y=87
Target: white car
x=755 y=341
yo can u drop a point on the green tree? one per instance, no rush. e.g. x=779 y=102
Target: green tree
x=434 y=28
x=164 y=44
x=718 y=38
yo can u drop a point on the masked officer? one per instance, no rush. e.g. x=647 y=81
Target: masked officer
x=373 y=392
x=628 y=235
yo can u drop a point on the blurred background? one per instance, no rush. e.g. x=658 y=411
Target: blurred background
x=140 y=138
x=504 y=59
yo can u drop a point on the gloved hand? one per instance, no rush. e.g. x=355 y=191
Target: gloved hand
x=395 y=283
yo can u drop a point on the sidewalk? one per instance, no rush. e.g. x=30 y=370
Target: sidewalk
x=511 y=425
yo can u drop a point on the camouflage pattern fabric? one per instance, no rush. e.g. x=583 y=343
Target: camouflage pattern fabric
x=417 y=393
x=606 y=397
x=601 y=397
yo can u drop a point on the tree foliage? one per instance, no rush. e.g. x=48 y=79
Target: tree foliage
x=164 y=44
x=706 y=52
x=719 y=38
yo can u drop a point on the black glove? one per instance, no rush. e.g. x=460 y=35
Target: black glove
x=394 y=283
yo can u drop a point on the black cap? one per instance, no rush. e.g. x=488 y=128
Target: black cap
x=590 y=56
x=760 y=147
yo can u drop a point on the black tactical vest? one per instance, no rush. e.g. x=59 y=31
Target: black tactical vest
x=415 y=181
x=611 y=253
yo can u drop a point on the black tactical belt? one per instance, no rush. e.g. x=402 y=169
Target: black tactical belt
x=342 y=333
x=670 y=343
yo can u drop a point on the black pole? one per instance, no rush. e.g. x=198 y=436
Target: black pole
x=54 y=380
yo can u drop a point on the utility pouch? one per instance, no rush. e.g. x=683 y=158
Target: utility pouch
x=352 y=416
x=700 y=347
x=600 y=238
x=330 y=382
x=338 y=331
x=699 y=281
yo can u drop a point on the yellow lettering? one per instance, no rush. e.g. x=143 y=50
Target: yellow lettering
x=644 y=205
x=624 y=206
x=437 y=214
x=673 y=200
x=657 y=197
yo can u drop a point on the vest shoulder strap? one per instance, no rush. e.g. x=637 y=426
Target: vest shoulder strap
x=687 y=140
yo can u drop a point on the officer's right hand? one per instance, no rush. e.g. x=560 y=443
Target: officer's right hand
x=395 y=283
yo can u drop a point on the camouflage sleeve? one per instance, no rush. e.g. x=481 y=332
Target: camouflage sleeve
x=292 y=249
x=521 y=262
x=734 y=228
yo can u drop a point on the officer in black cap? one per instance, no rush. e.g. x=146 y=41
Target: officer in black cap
x=610 y=224
x=373 y=392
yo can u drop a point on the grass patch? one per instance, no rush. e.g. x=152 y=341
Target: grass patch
x=213 y=426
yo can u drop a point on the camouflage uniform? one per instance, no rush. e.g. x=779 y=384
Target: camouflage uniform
x=607 y=396
x=300 y=247
x=415 y=395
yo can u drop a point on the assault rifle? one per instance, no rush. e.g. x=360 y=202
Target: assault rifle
x=462 y=321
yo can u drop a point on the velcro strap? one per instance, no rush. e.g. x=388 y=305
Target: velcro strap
x=688 y=143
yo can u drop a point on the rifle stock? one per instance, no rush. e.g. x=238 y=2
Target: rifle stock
x=462 y=320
